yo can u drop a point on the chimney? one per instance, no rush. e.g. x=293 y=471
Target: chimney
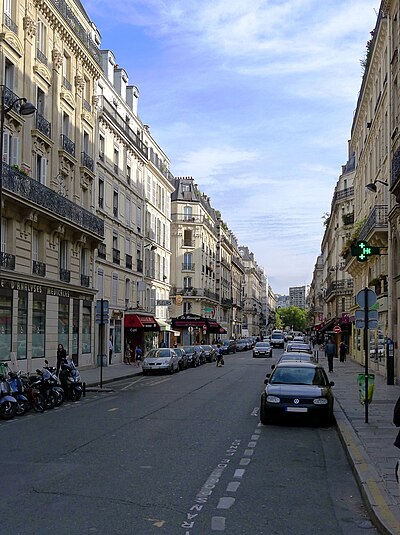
x=107 y=64
x=120 y=81
x=132 y=98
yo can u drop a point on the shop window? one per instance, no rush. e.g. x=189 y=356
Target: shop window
x=75 y=331
x=38 y=326
x=5 y=324
x=86 y=327
x=117 y=336
x=22 y=325
x=63 y=323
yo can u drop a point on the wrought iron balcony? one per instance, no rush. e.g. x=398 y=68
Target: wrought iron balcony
x=139 y=265
x=116 y=256
x=187 y=267
x=225 y=301
x=7 y=261
x=65 y=275
x=128 y=261
x=85 y=280
x=101 y=250
x=62 y=209
x=41 y=57
x=348 y=219
x=66 y=84
x=7 y=21
x=10 y=97
x=73 y=22
x=67 y=145
x=39 y=268
x=343 y=287
x=377 y=221
x=43 y=125
x=87 y=161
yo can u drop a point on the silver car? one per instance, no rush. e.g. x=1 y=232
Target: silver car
x=161 y=359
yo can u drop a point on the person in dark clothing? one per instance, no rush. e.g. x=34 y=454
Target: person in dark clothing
x=330 y=352
x=342 y=352
x=396 y=421
x=61 y=356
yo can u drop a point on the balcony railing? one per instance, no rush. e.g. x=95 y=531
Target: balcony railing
x=198 y=292
x=139 y=266
x=73 y=22
x=225 y=301
x=7 y=261
x=65 y=275
x=39 y=268
x=67 y=145
x=43 y=125
x=342 y=194
x=29 y=189
x=101 y=251
x=87 y=161
x=10 y=24
x=116 y=256
x=128 y=261
x=85 y=280
x=10 y=97
x=377 y=219
x=66 y=84
x=343 y=287
x=348 y=219
x=188 y=267
x=41 y=57
x=112 y=113
x=188 y=243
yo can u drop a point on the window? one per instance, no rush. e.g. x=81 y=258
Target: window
x=40 y=101
x=100 y=283
x=41 y=168
x=102 y=143
x=187 y=213
x=65 y=124
x=116 y=160
x=86 y=142
x=127 y=292
x=10 y=149
x=6 y=324
x=139 y=218
x=187 y=261
x=35 y=245
x=86 y=327
x=63 y=322
x=127 y=245
x=38 y=326
x=41 y=37
x=7 y=8
x=187 y=282
x=101 y=192
x=22 y=325
x=115 y=203
x=187 y=237
x=85 y=260
x=66 y=70
x=114 y=289
x=128 y=205
x=63 y=254
x=9 y=72
x=4 y=232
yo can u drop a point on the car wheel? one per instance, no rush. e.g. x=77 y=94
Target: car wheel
x=177 y=368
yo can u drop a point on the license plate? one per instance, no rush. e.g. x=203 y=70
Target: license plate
x=296 y=409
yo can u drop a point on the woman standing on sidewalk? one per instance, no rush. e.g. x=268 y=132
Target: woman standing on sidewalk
x=342 y=352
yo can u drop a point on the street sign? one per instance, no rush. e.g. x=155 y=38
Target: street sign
x=360 y=298
x=163 y=302
x=363 y=251
x=102 y=311
x=337 y=329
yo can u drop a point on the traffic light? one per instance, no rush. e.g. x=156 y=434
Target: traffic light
x=363 y=251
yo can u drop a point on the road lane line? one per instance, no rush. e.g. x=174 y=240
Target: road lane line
x=233 y=486
x=159 y=382
x=112 y=410
x=226 y=502
x=133 y=383
x=252 y=444
x=248 y=453
x=218 y=523
x=255 y=437
x=239 y=473
x=244 y=462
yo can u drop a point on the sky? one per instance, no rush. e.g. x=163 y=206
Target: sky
x=255 y=100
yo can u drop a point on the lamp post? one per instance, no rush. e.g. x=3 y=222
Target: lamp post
x=26 y=108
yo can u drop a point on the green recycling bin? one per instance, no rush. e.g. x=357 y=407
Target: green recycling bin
x=361 y=387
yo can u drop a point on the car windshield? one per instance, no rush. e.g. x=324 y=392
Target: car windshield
x=189 y=349
x=288 y=356
x=276 y=336
x=262 y=344
x=207 y=348
x=227 y=342
x=298 y=376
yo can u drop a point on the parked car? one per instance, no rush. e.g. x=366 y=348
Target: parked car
x=193 y=355
x=161 y=359
x=182 y=358
x=229 y=346
x=210 y=353
x=262 y=349
x=296 y=355
x=298 y=347
x=241 y=345
x=298 y=389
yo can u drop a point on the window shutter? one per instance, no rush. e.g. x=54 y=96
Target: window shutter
x=14 y=151
x=3 y=235
x=43 y=170
x=6 y=147
x=35 y=242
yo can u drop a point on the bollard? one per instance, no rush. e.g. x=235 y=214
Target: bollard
x=84 y=389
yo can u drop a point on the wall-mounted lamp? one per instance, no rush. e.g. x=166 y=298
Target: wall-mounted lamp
x=152 y=247
x=372 y=185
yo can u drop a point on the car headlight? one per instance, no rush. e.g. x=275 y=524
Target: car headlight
x=320 y=401
x=273 y=399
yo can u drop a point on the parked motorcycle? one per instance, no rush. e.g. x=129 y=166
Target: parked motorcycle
x=71 y=380
x=18 y=392
x=31 y=388
x=8 y=403
x=49 y=374
x=45 y=388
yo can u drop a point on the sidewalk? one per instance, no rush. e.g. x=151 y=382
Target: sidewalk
x=369 y=446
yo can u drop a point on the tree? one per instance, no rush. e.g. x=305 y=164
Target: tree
x=293 y=317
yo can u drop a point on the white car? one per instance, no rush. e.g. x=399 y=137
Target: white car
x=162 y=359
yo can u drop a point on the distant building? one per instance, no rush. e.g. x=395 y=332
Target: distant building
x=282 y=301
x=298 y=296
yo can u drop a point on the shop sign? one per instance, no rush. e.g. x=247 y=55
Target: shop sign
x=163 y=302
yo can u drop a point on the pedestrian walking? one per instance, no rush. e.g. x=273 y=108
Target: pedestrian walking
x=342 y=352
x=128 y=353
x=396 y=421
x=330 y=352
x=110 y=349
x=138 y=355
x=61 y=356
x=220 y=357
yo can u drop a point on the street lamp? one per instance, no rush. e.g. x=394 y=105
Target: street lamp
x=26 y=108
x=372 y=185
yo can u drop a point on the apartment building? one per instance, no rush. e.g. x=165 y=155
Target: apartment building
x=298 y=296
x=252 y=293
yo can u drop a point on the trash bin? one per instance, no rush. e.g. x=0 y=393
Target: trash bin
x=361 y=387
x=104 y=360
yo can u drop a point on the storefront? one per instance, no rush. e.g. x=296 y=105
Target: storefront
x=35 y=318
x=196 y=329
x=167 y=335
x=141 y=329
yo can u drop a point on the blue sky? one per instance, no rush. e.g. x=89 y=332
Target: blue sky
x=254 y=99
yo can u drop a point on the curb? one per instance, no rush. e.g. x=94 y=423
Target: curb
x=112 y=379
x=379 y=503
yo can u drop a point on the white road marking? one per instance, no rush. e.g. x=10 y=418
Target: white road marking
x=159 y=382
x=133 y=383
x=255 y=437
x=239 y=473
x=112 y=410
x=251 y=444
x=226 y=502
x=248 y=453
x=233 y=486
x=244 y=462
x=218 y=523
x=255 y=411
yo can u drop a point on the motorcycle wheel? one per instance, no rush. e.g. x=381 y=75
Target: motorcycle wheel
x=38 y=403
x=8 y=409
x=76 y=394
x=50 y=400
x=59 y=397
x=22 y=407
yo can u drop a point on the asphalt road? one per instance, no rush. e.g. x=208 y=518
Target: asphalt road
x=182 y=454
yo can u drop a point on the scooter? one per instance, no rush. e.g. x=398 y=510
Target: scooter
x=8 y=403
x=18 y=391
x=35 y=398
x=71 y=380
x=49 y=374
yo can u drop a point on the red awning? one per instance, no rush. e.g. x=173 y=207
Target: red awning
x=222 y=330
x=188 y=323
x=139 y=321
x=214 y=327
